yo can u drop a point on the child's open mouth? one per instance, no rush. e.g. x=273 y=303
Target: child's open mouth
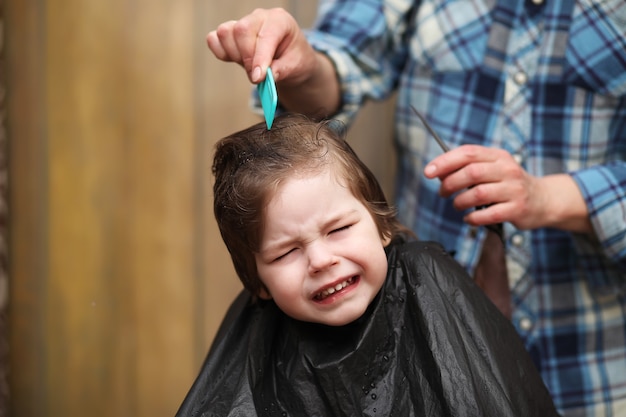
x=334 y=289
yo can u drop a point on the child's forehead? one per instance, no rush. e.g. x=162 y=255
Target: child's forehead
x=305 y=199
x=329 y=167
x=335 y=176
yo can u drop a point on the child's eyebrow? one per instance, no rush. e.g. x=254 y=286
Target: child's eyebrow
x=336 y=218
x=276 y=247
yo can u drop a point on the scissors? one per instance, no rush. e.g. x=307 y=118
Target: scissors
x=434 y=134
x=496 y=228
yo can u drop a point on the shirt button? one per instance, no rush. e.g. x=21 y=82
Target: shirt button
x=537 y=2
x=525 y=324
x=520 y=78
x=517 y=240
x=518 y=158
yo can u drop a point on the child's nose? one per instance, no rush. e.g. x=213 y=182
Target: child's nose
x=321 y=257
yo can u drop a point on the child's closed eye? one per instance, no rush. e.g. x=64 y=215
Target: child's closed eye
x=342 y=228
x=284 y=255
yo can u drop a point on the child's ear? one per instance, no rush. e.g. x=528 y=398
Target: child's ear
x=264 y=294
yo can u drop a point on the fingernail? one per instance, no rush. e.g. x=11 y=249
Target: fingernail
x=256 y=75
x=430 y=169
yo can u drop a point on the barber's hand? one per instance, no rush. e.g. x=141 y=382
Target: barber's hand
x=264 y=37
x=480 y=176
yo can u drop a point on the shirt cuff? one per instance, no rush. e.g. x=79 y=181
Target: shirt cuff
x=605 y=196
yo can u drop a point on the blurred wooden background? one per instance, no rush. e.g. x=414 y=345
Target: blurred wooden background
x=118 y=278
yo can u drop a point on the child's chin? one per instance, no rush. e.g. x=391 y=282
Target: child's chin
x=345 y=318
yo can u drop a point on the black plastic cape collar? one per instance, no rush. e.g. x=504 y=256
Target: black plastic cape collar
x=430 y=344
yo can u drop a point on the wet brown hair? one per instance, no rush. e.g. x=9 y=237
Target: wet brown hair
x=251 y=164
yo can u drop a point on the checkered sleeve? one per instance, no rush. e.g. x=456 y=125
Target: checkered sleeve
x=365 y=41
x=604 y=190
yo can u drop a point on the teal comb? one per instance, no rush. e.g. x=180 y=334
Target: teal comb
x=269 y=97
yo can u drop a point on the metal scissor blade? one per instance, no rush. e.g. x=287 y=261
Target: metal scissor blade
x=496 y=228
x=434 y=134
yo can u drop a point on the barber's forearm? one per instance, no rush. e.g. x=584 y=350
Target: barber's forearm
x=317 y=96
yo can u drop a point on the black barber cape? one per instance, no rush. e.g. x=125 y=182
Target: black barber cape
x=430 y=344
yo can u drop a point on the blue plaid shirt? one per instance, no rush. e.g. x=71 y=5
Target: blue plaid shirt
x=547 y=83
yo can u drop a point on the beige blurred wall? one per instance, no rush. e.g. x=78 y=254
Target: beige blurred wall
x=118 y=277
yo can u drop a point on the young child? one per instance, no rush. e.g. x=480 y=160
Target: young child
x=343 y=312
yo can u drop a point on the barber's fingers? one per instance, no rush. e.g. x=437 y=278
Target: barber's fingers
x=516 y=200
x=500 y=171
x=487 y=194
x=256 y=40
x=263 y=37
x=493 y=214
x=458 y=158
x=471 y=165
x=221 y=42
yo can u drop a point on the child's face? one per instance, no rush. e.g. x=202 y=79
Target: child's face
x=322 y=258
